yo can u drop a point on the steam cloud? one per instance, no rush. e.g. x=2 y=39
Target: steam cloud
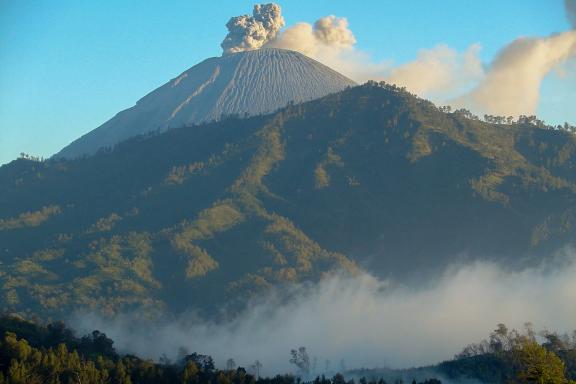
x=438 y=72
x=368 y=322
x=510 y=85
x=247 y=33
x=331 y=42
x=329 y=32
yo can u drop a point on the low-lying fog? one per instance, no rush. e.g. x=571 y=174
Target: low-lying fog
x=367 y=322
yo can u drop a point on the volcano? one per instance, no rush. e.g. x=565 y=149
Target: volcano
x=244 y=84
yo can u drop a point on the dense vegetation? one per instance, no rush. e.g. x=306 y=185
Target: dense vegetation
x=510 y=355
x=507 y=356
x=202 y=216
x=32 y=353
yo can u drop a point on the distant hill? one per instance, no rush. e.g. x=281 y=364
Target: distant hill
x=200 y=217
x=244 y=83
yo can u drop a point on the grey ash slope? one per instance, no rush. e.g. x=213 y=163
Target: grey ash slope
x=252 y=83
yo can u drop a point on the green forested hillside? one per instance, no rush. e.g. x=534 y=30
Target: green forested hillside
x=369 y=178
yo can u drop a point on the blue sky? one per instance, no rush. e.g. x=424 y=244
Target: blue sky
x=68 y=66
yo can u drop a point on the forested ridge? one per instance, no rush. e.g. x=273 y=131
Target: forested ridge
x=208 y=216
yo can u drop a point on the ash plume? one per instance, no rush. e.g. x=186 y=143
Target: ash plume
x=247 y=33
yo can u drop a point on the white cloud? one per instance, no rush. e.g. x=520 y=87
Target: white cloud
x=439 y=71
x=366 y=321
x=512 y=84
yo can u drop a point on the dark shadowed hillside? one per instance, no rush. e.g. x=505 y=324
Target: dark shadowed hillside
x=369 y=178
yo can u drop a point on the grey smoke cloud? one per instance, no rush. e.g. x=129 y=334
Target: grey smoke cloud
x=366 y=321
x=246 y=33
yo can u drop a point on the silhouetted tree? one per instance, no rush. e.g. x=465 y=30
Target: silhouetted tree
x=301 y=360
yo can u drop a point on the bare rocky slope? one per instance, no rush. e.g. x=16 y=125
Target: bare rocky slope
x=245 y=83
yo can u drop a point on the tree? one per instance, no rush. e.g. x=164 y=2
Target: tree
x=121 y=376
x=301 y=360
x=256 y=367
x=540 y=366
x=342 y=366
x=338 y=379
x=204 y=362
x=554 y=342
x=190 y=374
x=98 y=343
x=230 y=364
x=499 y=339
x=466 y=113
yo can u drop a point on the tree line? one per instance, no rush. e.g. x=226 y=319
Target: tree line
x=512 y=356
x=32 y=354
x=51 y=354
x=463 y=112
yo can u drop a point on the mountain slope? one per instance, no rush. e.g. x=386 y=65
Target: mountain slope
x=245 y=83
x=201 y=217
